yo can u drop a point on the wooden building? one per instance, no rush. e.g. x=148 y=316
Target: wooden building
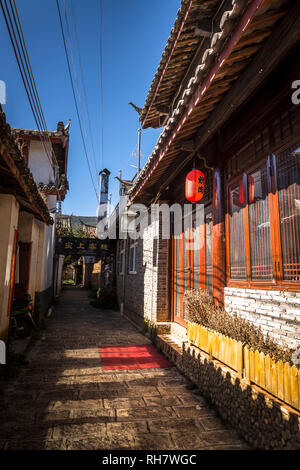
x=24 y=222
x=50 y=176
x=224 y=93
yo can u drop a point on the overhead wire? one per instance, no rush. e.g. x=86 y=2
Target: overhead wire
x=83 y=83
x=29 y=81
x=74 y=95
x=30 y=72
x=77 y=87
x=101 y=83
x=25 y=79
x=21 y=53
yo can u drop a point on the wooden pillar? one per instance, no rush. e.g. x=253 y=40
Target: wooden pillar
x=9 y=215
x=218 y=237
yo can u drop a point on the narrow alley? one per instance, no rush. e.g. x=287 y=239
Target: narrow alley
x=65 y=399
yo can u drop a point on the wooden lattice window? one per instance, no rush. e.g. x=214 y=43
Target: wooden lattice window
x=209 y=252
x=178 y=276
x=196 y=256
x=236 y=234
x=288 y=169
x=192 y=260
x=122 y=257
x=263 y=222
x=132 y=256
x=259 y=226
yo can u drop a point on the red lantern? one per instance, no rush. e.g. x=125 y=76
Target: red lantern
x=251 y=190
x=194 y=185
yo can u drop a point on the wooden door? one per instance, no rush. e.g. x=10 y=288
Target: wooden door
x=178 y=278
x=186 y=272
x=25 y=263
x=192 y=264
x=208 y=252
x=12 y=273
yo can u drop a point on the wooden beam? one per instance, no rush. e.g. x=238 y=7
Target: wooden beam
x=29 y=137
x=276 y=48
x=15 y=172
x=268 y=101
x=168 y=59
x=246 y=17
x=203 y=28
x=163 y=109
x=187 y=145
x=8 y=190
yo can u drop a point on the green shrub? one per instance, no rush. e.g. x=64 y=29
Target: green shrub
x=68 y=282
x=106 y=299
x=200 y=309
x=145 y=327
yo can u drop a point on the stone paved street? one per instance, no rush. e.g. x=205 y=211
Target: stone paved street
x=63 y=399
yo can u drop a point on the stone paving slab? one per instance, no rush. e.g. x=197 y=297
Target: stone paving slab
x=153 y=441
x=63 y=399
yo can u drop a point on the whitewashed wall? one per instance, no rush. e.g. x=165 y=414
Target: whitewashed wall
x=39 y=164
x=42 y=172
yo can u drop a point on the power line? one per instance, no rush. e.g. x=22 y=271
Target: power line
x=34 y=105
x=101 y=86
x=83 y=83
x=31 y=75
x=29 y=81
x=74 y=95
x=77 y=87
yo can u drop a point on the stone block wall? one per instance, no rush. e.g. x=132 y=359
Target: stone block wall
x=276 y=312
x=179 y=332
x=145 y=293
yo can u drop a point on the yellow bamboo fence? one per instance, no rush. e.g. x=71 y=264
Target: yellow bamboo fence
x=223 y=348
x=280 y=379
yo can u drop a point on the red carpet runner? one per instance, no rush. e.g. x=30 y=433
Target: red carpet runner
x=137 y=356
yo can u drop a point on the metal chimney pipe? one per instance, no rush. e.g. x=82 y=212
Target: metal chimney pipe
x=104 y=182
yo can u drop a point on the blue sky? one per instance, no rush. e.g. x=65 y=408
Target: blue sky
x=135 y=33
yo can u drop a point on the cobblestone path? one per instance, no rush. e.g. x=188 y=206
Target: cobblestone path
x=63 y=399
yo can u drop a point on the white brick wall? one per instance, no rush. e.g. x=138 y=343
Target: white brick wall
x=146 y=291
x=276 y=312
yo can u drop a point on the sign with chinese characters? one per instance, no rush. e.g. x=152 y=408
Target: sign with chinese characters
x=81 y=246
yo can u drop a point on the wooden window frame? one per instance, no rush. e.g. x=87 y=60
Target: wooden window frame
x=190 y=268
x=122 y=250
x=25 y=264
x=278 y=282
x=132 y=246
x=208 y=209
x=12 y=273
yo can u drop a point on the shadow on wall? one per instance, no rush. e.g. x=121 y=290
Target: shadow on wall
x=131 y=286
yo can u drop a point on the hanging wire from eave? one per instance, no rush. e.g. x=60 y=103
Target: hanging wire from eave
x=83 y=85
x=74 y=96
x=77 y=87
x=101 y=85
x=27 y=78
x=31 y=75
x=26 y=82
x=46 y=142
